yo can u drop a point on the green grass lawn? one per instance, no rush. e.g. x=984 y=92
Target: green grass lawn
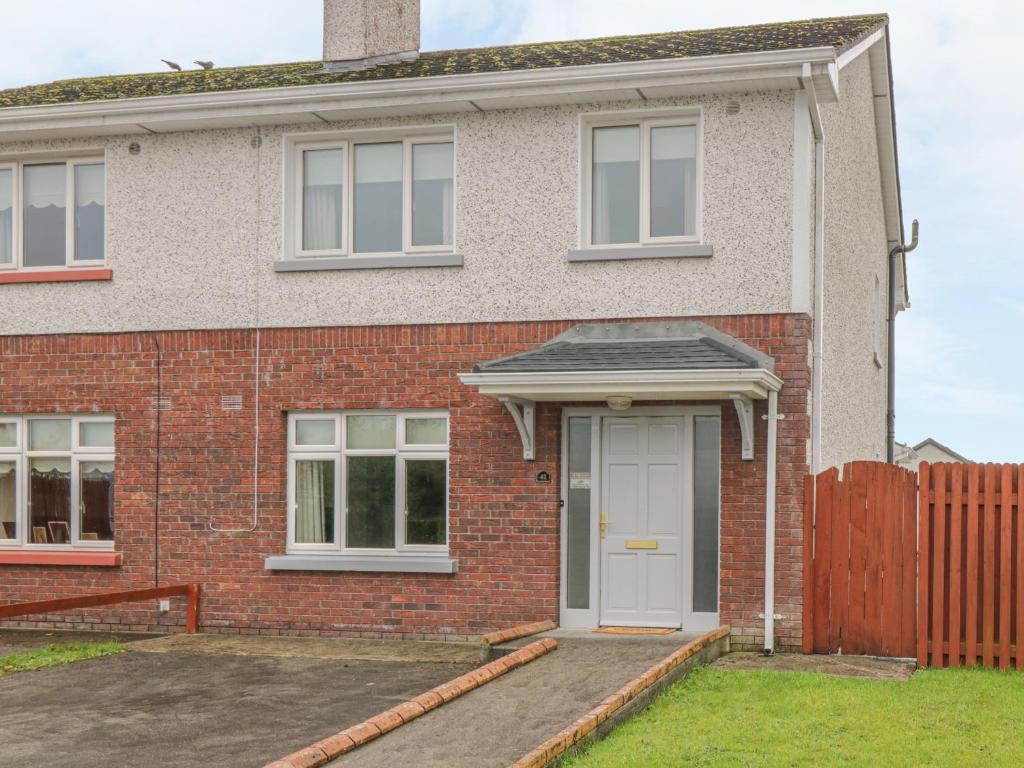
x=724 y=718
x=53 y=655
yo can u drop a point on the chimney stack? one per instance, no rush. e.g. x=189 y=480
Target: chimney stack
x=359 y=34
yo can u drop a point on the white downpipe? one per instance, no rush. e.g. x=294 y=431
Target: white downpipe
x=818 y=330
x=769 y=525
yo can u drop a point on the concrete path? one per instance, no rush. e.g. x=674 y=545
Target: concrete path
x=837 y=666
x=193 y=710
x=503 y=720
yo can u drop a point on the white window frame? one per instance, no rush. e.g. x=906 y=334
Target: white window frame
x=646 y=120
x=296 y=145
x=70 y=163
x=77 y=454
x=338 y=452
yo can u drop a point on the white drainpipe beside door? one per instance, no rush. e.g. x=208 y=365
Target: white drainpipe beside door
x=769 y=524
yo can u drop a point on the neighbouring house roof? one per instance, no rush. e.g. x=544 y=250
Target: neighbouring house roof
x=837 y=32
x=936 y=444
x=684 y=346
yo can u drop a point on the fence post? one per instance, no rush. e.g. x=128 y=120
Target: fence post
x=192 y=615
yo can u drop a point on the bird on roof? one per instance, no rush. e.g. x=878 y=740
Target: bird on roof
x=204 y=64
x=176 y=67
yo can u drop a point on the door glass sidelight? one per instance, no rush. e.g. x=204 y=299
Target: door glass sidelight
x=577 y=546
x=705 y=513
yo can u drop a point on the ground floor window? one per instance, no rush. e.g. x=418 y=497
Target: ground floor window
x=56 y=481
x=372 y=481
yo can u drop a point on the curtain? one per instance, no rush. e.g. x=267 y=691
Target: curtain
x=314 y=511
x=322 y=216
x=6 y=236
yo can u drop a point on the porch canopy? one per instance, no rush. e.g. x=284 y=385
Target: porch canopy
x=619 y=363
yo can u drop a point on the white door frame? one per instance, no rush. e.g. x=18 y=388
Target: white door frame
x=590 y=617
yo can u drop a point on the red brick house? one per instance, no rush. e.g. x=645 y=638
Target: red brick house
x=424 y=344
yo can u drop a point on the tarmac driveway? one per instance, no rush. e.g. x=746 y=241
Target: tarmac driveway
x=196 y=708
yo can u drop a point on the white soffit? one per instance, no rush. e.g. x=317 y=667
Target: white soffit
x=448 y=93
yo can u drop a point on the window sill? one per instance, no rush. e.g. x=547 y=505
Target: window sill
x=369 y=262
x=57 y=276
x=45 y=557
x=364 y=563
x=628 y=253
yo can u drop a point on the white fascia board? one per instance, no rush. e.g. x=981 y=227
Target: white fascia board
x=640 y=385
x=439 y=93
x=854 y=51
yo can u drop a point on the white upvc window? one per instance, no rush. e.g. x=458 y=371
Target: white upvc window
x=641 y=180
x=57 y=482
x=52 y=214
x=380 y=194
x=368 y=482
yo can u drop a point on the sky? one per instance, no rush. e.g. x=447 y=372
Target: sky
x=959 y=108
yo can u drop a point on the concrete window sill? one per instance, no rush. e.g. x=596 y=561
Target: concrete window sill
x=369 y=262
x=57 y=276
x=630 y=253
x=50 y=557
x=363 y=563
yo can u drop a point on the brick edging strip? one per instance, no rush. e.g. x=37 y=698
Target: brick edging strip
x=345 y=741
x=523 y=630
x=567 y=737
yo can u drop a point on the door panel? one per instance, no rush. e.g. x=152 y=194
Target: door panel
x=663 y=584
x=623 y=582
x=622 y=512
x=664 y=499
x=642 y=493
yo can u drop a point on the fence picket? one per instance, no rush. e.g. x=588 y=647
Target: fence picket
x=1020 y=569
x=939 y=566
x=1005 y=563
x=923 y=534
x=955 y=555
x=971 y=596
x=890 y=559
x=860 y=472
x=825 y=483
x=988 y=607
x=908 y=568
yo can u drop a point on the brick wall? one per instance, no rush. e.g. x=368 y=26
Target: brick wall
x=504 y=525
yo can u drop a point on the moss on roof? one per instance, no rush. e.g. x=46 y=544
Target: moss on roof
x=838 y=32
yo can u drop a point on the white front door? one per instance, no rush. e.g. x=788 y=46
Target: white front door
x=642 y=498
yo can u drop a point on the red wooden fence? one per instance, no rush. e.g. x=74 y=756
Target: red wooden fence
x=191 y=591
x=971 y=590
x=860 y=548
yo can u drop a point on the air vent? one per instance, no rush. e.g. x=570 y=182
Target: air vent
x=161 y=403
x=231 y=402
x=732 y=108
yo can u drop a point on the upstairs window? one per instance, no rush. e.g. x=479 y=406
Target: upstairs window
x=56 y=481
x=52 y=214
x=643 y=182
x=367 y=198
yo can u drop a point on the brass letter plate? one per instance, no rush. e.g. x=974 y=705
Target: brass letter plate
x=641 y=544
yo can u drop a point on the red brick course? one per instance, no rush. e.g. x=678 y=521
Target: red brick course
x=504 y=525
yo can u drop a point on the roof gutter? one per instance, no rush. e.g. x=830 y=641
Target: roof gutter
x=463 y=91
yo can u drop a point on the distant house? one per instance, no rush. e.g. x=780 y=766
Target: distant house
x=909 y=457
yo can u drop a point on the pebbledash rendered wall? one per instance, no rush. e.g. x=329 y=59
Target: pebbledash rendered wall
x=504 y=525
